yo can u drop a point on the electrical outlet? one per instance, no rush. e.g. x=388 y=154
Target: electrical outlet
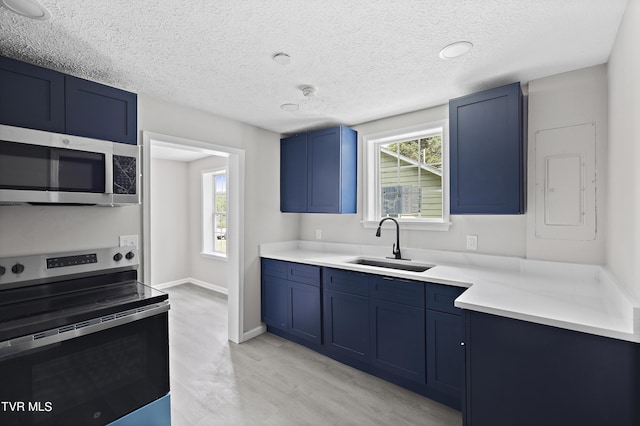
x=318 y=234
x=128 y=241
x=472 y=242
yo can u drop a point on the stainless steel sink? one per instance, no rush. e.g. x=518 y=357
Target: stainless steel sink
x=404 y=265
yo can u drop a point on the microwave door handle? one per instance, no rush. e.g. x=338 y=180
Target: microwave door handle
x=54 y=170
x=108 y=173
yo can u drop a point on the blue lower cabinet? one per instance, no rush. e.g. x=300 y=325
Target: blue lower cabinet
x=346 y=324
x=398 y=339
x=275 y=302
x=291 y=299
x=156 y=413
x=304 y=312
x=445 y=355
x=346 y=313
x=375 y=323
x=527 y=374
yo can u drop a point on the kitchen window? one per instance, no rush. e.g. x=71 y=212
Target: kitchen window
x=214 y=212
x=406 y=177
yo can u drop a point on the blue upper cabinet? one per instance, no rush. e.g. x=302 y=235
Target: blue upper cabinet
x=487 y=152
x=42 y=99
x=101 y=112
x=318 y=171
x=293 y=173
x=31 y=96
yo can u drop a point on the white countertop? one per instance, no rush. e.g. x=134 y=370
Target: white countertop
x=577 y=297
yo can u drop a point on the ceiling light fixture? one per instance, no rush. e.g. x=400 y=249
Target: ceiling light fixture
x=282 y=58
x=290 y=107
x=29 y=8
x=455 y=50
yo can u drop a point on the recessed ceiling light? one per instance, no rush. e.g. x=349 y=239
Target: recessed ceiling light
x=282 y=58
x=455 y=50
x=290 y=107
x=29 y=8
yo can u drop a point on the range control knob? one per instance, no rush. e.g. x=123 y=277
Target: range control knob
x=2 y=270
x=129 y=255
x=117 y=257
x=18 y=268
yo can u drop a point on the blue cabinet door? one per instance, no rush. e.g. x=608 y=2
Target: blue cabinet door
x=487 y=152
x=346 y=313
x=398 y=339
x=332 y=168
x=445 y=355
x=346 y=324
x=101 y=112
x=293 y=174
x=31 y=96
x=275 y=302
x=304 y=312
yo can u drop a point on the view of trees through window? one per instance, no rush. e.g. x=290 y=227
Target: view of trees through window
x=411 y=178
x=220 y=214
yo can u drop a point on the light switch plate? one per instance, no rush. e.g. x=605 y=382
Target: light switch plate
x=128 y=241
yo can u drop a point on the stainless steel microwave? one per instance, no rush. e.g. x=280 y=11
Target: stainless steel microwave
x=39 y=167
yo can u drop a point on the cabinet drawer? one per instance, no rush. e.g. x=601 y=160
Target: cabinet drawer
x=306 y=274
x=274 y=268
x=346 y=282
x=398 y=290
x=441 y=297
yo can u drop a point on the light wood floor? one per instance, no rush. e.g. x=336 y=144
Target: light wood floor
x=271 y=381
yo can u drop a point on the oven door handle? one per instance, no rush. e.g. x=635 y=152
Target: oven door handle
x=72 y=331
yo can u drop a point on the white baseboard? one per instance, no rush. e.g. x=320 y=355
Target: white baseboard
x=210 y=286
x=247 y=335
x=171 y=283
x=200 y=283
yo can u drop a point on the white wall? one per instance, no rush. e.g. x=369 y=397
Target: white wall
x=209 y=270
x=47 y=229
x=169 y=221
x=623 y=224
x=263 y=221
x=569 y=99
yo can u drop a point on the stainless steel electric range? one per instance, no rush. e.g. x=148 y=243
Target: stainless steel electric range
x=82 y=342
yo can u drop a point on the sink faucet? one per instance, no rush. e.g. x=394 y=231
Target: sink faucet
x=396 y=246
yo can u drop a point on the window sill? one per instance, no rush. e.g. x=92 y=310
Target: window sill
x=214 y=255
x=412 y=225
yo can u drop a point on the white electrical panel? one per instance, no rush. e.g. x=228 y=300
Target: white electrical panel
x=565 y=161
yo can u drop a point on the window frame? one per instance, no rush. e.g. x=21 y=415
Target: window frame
x=208 y=212
x=371 y=192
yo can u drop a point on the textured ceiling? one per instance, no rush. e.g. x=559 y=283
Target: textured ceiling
x=368 y=59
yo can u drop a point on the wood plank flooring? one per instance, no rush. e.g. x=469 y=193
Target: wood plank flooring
x=271 y=381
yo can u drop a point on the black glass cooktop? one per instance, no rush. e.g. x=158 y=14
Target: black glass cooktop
x=28 y=310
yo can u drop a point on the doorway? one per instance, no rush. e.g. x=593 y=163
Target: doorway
x=235 y=203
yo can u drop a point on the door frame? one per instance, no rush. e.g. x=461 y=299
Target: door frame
x=235 y=245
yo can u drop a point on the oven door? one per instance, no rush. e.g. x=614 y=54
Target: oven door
x=92 y=379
